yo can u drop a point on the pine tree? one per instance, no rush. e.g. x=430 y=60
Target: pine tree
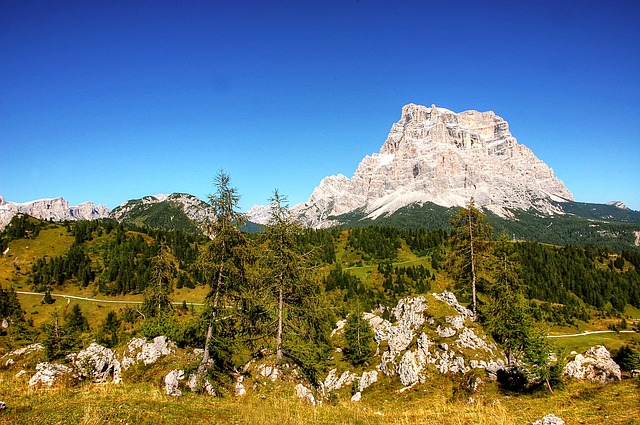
x=507 y=317
x=156 y=299
x=505 y=313
x=301 y=319
x=76 y=322
x=470 y=236
x=221 y=259
x=108 y=334
x=360 y=339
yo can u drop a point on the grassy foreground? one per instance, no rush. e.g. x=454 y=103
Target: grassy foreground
x=145 y=403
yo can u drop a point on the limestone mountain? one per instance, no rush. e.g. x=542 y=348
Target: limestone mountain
x=433 y=155
x=56 y=209
x=177 y=211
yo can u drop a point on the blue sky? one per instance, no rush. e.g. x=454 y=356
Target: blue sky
x=114 y=100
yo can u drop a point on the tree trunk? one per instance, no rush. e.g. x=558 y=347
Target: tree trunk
x=473 y=268
x=206 y=355
x=279 y=336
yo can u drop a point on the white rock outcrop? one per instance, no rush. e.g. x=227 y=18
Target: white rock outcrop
x=595 y=365
x=172 y=382
x=333 y=382
x=367 y=379
x=450 y=298
x=435 y=155
x=305 y=393
x=139 y=350
x=48 y=373
x=98 y=364
x=549 y=419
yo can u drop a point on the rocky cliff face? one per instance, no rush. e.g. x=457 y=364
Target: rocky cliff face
x=56 y=209
x=436 y=155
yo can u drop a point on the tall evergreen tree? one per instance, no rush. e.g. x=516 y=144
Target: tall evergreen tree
x=300 y=332
x=221 y=258
x=470 y=236
x=505 y=313
x=361 y=345
x=156 y=298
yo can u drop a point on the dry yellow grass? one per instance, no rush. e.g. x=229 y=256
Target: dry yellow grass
x=145 y=403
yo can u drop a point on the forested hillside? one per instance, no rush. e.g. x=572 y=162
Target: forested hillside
x=281 y=291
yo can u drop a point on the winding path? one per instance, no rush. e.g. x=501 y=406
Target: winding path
x=68 y=297
x=588 y=333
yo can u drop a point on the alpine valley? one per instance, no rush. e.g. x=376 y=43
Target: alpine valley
x=432 y=162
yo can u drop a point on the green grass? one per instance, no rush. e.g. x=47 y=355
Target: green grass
x=580 y=344
x=16 y=265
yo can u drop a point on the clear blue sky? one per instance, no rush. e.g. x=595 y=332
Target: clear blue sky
x=115 y=100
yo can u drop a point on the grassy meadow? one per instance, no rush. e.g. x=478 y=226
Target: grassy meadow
x=432 y=403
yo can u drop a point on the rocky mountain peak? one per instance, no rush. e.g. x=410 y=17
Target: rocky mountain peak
x=56 y=209
x=435 y=155
x=616 y=204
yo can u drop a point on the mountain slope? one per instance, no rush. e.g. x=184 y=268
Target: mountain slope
x=177 y=211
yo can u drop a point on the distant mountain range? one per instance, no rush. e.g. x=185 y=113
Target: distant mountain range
x=433 y=161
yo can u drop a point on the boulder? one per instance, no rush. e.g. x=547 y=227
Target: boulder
x=139 y=350
x=367 y=379
x=549 y=420
x=445 y=332
x=357 y=396
x=409 y=317
x=2 y=405
x=195 y=384
x=268 y=371
x=25 y=350
x=409 y=369
x=333 y=383
x=97 y=363
x=172 y=384
x=456 y=321
x=239 y=389
x=449 y=298
x=48 y=373
x=595 y=365
x=468 y=339
x=305 y=394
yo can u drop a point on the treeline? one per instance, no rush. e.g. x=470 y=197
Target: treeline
x=569 y=274
x=382 y=243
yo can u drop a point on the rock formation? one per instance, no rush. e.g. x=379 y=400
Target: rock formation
x=139 y=350
x=48 y=373
x=549 y=419
x=415 y=346
x=305 y=393
x=595 y=365
x=98 y=364
x=171 y=382
x=436 y=155
x=56 y=209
